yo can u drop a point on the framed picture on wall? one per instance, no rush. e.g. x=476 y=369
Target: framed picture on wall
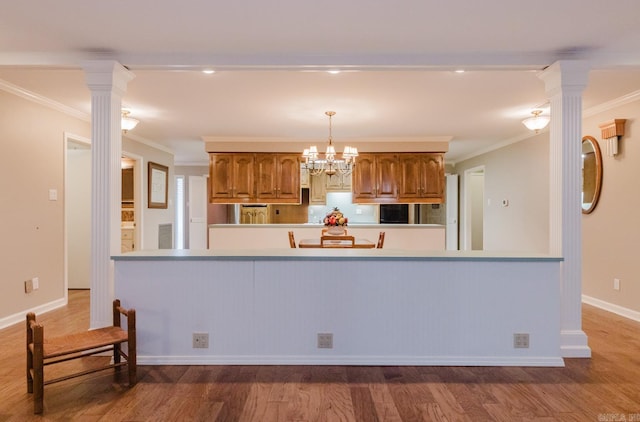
x=158 y=185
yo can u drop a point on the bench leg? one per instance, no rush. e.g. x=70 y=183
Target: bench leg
x=132 y=365
x=29 y=369
x=116 y=355
x=38 y=382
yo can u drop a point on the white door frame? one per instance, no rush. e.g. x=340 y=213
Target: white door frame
x=197 y=212
x=138 y=195
x=451 y=213
x=466 y=194
x=69 y=137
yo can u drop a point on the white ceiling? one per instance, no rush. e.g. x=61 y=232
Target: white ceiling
x=398 y=61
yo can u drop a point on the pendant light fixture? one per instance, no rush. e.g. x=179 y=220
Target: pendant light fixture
x=128 y=123
x=537 y=122
x=329 y=164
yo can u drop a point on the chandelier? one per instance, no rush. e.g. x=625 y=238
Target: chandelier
x=330 y=164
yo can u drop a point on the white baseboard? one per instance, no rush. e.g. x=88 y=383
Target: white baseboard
x=616 y=309
x=21 y=316
x=354 y=360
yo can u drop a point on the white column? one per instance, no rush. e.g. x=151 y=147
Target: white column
x=564 y=83
x=107 y=81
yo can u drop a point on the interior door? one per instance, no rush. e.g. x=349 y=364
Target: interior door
x=452 y=212
x=197 y=212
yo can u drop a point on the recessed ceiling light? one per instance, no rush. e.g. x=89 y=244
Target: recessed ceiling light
x=334 y=71
x=209 y=71
x=459 y=70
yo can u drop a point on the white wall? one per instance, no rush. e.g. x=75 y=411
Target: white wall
x=31 y=163
x=610 y=233
x=153 y=217
x=518 y=173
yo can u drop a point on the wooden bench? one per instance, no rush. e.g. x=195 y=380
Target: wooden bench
x=42 y=352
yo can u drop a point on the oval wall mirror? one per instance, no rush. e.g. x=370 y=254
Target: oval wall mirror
x=591 y=174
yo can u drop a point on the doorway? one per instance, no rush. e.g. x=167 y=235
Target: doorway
x=131 y=203
x=474 y=209
x=77 y=212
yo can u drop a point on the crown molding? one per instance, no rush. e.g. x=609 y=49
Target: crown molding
x=616 y=102
x=44 y=101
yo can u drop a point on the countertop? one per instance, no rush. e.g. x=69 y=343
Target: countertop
x=306 y=254
x=318 y=225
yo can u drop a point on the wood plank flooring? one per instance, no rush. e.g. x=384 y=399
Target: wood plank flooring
x=603 y=388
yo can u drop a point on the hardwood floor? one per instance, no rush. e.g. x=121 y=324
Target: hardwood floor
x=604 y=388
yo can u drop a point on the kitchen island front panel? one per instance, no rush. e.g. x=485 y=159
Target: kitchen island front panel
x=381 y=310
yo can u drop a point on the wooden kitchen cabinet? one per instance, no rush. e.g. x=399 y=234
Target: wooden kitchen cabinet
x=374 y=178
x=254 y=178
x=421 y=178
x=127 y=184
x=126 y=240
x=254 y=215
x=304 y=178
x=317 y=190
x=232 y=178
x=339 y=182
x=277 y=178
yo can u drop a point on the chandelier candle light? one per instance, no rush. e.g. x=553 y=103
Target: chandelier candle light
x=330 y=164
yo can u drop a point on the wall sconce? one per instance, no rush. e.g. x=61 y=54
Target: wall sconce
x=128 y=123
x=612 y=131
x=537 y=122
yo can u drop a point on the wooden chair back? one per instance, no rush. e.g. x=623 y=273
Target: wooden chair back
x=325 y=230
x=292 y=240
x=327 y=241
x=380 y=240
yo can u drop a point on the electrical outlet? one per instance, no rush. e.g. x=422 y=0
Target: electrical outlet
x=325 y=340
x=200 y=340
x=28 y=286
x=521 y=340
x=616 y=284
x=36 y=283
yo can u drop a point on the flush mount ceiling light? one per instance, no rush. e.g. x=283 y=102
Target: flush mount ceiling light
x=128 y=123
x=537 y=122
x=329 y=164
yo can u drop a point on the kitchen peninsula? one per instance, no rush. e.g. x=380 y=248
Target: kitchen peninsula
x=258 y=301
x=378 y=306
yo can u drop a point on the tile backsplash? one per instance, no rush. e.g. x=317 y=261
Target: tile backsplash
x=356 y=213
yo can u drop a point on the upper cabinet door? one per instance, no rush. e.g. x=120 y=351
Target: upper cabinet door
x=220 y=171
x=266 y=176
x=421 y=178
x=374 y=178
x=243 y=182
x=288 y=177
x=387 y=174
x=278 y=178
x=410 y=180
x=433 y=176
x=364 y=177
x=231 y=178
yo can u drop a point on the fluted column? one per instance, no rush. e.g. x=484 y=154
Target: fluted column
x=107 y=81
x=564 y=83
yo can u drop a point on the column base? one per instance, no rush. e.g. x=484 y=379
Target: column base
x=573 y=344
